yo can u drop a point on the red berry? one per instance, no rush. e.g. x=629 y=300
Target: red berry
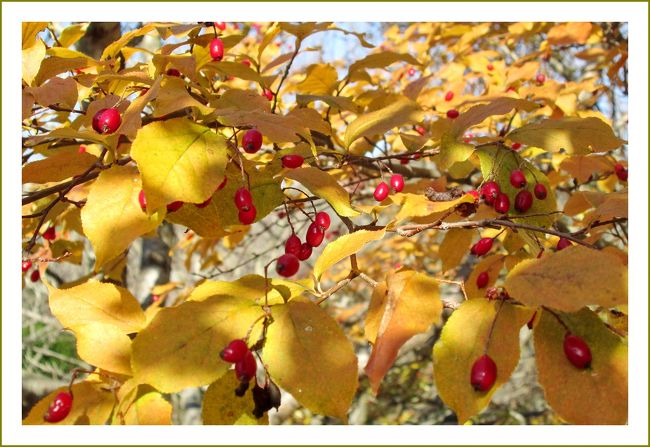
x=411 y=71
x=540 y=78
x=621 y=172
x=59 y=408
x=216 y=49
x=268 y=94
x=107 y=121
x=482 y=279
x=222 y=184
x=502 y=203
x=204 y=204
x=490 y=67
x=252 y=141
x=449 y=96
x=35 y=276
x=174 y=206
x=397 y=182
x=315 y=234
x=246 y=62
x=517 y=179
x=523 y=201
x=516 y=146
x=421 y=130
x=49 y=234
x=246 y=368
x=323 y=220
x=142 y=200
x=484 y=373
x=482 y=246
x=234 y=352
x=563 y=243
x=452 y=114
x=292 y=245
x=474 y=193
x=82 y=148
x=292 y=161
x=305 y=251
x=577 y=351
x=490 y=191
x=173 y=72
x=26 y=265
x=220 y=25
x=287 y=265
x=540 y=191
x=404 y=160
x=247 y=216
x=381 y=192
x=243 y=199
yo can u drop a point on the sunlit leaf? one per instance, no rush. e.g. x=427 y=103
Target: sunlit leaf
x=222 y=407
x=343 y=247
x=326 y=187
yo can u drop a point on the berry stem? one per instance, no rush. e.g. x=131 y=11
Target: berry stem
x=286 y=210
x=496 y=315
x=557 y=317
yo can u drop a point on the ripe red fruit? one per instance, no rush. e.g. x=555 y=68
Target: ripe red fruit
x=59 y=408
x=107 y=121
x=516 y=146
x=421 y=130
x=523 y=201
x=49 y=234
x=174 y=206
x=484 y=373
x=247 y=216
x=577 y=351
x=397 y=182
x=315 y=234
x=234 y=352
x=517 y=179
x=292 y=245
x=482 y=279
x=287 y=265
x=246 y=62
x=173 y=72
x=404 y=160
x=490 y=67
x=563 y=243
x=323 y=220
x=243 y=199
x=268 y=94
x=482 y=246
x=220 y=25
x=142 y=200
x=216 y=49
x=540 y=78
x=381 y=192
x=502 y=203
x=490 y=191
x=540 y=191
x=621 y=172
x=305 y=251
x=449 y=96
x=26 y=265
x=246 y=368
x=204 y=204
x=252 y=141
x=474 y=193
x=82 y=148
x=35 y=276
x=452 y=114
x=222 y=184
x=411 y=71
x=292 y=161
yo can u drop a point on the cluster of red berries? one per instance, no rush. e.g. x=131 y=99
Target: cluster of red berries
x=295 y=250
x=36 y=275
x=244 y=203
x=382 y=190
x=491 y=193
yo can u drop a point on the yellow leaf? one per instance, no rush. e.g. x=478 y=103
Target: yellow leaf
x=111 y=50
x=276 y=128
x=236 y=69
x=235 y=99
x=92 y=405
x=30 y=32
x=382 y=60
x=56 y=91
x=311 y=119
x=582 y=167
x=71 y=34
x=306 y=349
x=343 y=247
x=326 y=187
x=132 y=117
x=112 y=217
x=115 y=352
x=320 y=80
x=574 y=135
x=336 y=102
x=452 y=151
x=249 y=287
x=400 y=112
x=492 y=265
x=581 y=201
x=464 y=339
x=222 y=407
x=596 y=395
x=180 y=347
x=57 y=167
x=179 y=160
x=96 y=302
x=149 y=409
x=569 y=33
x=417 y=205
x=613 y=205
x=454 y=247
x=499 y=106
x=410 y=305
x=569 y=280
x=31 y=62
x=173 y=97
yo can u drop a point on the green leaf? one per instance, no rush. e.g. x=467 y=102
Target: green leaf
x=179 y=160
x=326 y=187
x=574 y=135
x=596 y=395
x=401 y=112
x=306 y=350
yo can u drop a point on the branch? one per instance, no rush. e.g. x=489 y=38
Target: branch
x=284 y=76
